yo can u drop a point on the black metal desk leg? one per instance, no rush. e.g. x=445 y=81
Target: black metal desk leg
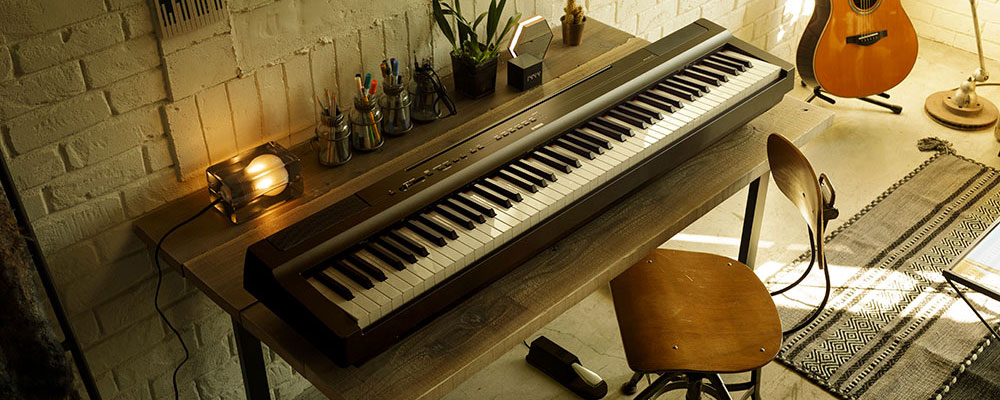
x=752 y=219
x=251 y=363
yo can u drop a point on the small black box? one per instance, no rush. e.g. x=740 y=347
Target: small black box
x=524 y=72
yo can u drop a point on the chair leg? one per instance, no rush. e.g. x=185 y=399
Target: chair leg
x=629 y=388
x=694 y=387
x=755 y=378
x=721 y=392
x=657 y=387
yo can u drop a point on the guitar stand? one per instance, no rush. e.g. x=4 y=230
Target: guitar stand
x=818 y=92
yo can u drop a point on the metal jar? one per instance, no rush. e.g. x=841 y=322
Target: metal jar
x=366 y=125
x=333 y=140
x=395 y=110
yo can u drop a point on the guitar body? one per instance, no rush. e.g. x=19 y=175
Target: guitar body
x=857 y=48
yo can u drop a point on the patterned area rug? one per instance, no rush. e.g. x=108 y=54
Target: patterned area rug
x=893 y=329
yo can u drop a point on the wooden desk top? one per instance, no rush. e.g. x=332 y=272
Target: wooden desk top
x=438 y=357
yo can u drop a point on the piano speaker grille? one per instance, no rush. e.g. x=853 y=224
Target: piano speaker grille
x=175 y=17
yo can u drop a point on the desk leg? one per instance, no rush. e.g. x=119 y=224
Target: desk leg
x=752 y=219
x=251 y=363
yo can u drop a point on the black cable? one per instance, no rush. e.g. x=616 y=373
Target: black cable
x=826 y=296
x=159 y=280
x=812 y=252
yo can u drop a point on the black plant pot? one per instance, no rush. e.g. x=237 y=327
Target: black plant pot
x=474 y=81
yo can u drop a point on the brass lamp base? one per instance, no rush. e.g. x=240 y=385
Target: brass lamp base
x=973 y=117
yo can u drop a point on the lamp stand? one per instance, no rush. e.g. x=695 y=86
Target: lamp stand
x=962 y=108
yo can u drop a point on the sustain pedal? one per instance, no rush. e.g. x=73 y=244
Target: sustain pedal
x=566 y=369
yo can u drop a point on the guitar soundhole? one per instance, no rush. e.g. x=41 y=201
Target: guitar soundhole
x=865 y=6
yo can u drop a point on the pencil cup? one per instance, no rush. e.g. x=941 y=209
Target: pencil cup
x=396 y=105
x=366 y=125
x=333 y=140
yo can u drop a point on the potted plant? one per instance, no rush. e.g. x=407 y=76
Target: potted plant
x=473 y=62
x=572 y=23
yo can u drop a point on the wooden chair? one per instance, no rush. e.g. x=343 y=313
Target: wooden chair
x=691 y=316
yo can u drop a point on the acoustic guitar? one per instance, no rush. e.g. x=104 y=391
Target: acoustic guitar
x=857 y=48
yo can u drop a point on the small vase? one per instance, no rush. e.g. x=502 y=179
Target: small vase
x=572 y=34
x=474 y=81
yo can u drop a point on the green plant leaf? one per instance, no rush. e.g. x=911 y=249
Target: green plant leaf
x=491 y=24
x=443 y=23
x=510 y=24
x=458 y=7
x=476 y=25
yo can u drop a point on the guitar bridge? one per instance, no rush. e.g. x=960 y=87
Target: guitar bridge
x=867 y=39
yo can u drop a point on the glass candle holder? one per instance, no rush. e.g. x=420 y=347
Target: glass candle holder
x=255 y=181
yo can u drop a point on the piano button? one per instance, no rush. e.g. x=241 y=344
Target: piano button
x=521 y=173
x=664 y=107
x=409 y=244
x=454 y=217
x=425 y=232
x=672 y=89
x=703 y=78
x=501 y=188
x=537 y=170
x=494 y=198
x=385 y=256
x=573 y=148
x=730 y=56
x=361 y=300
x=583 y=143
x=481 y=208
x=628 y=110
x=551 y=152
x=721 y=67
x=443 y=230
x=353 y=274
x=632 y=122
x=365 y=266
x=398 y=250
x=663 y=98
x=592 y=138
x=517 y=181
x=334 y=286
x=464 y=211
x=601 y=129
x=625 y=130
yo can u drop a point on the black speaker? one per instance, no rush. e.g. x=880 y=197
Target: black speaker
x=524 y=72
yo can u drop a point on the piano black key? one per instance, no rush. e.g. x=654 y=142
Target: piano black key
x=581 y=142
x=673 y=89
x=572 y=148
x=638 y=123
x=367 y=267
x=492 y=196
x=653 y=115
x=692 y=82
x=613 y=126
x=425 y=233
x=544 y=159
x=516 y=181
x=710 y=72
x=399 y=251
x=464 y=199
x=415 y=247
x=527 y=176
x=548 y=175
x=464 y=211
x=334 y=286
x=565 y=159
x=502 y=189
x=691 y=73
x=595 y=139
x=455 y=217
x=730 y=64
x=443 y=230
x=724 y=68
x=644 y=98
x=745 y=63
x=353 y=274
x=664 y=99
x=621 y=137
x=685 y=86
x=385 y=256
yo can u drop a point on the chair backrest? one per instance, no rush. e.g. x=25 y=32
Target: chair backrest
x=795 y=177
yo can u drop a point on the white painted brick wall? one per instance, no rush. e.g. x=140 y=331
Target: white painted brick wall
x=94 y=141
x=950 y=22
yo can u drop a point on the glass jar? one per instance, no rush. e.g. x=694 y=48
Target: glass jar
x=333 y=140
x=366 y=125
x=396 y=109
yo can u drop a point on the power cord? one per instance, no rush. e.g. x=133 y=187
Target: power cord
x=826 y=295
x=159 y=281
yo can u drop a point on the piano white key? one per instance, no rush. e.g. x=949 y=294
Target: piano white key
x=348 y=306
x=382 y=294
x=361 y=298
x=404 y=290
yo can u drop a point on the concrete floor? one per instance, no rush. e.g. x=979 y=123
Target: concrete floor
x=867 y=150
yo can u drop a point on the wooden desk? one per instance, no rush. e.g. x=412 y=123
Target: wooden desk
x=441 y=355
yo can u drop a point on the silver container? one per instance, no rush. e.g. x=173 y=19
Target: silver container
x=396 y=110
x=366 y=125
x=333 y=140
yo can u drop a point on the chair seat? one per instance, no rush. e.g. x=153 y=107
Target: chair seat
x=687 y=311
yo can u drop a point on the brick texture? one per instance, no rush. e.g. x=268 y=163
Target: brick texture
x=186 y=136
x=113 y=136
x=185 y=68
x=137 y=90
x=39 y=89
x=70 y=43
x=50 y=124
x=121 y=61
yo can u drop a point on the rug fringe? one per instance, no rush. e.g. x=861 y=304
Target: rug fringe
x=935 y=143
